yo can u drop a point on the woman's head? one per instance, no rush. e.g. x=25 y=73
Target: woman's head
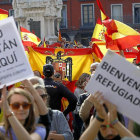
x=22 y=106
x=42 y=92
x=82 y=81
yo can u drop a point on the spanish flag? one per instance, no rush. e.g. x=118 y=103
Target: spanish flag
x=103 y=14
x=98 y=33
x=81 y=59
x=128 y=55
x=28 y=38
x=97 y=54
x=122 y=35
x=75 y=42
x=59 y=36
x=44 y=43
x=3 y=14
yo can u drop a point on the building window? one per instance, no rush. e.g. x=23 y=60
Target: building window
x=87 y=18
x=63 y=23
x=11 y=12
x=136 y=13
x=116 y=12
x=5 y=1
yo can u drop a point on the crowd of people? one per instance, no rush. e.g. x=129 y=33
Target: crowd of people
x=32 y=111
x=69 y=44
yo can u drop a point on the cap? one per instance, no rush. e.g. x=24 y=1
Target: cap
x=48 y=68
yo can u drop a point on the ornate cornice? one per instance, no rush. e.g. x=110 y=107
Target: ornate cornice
x=22 y=19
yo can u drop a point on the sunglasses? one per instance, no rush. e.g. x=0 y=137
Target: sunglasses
x=43 y=96
x=16 y=105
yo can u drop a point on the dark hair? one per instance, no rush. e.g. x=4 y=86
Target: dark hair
x=81 y=80
x=48 y=75
x=57 y=75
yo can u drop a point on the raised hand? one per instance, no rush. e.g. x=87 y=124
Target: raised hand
x=112 y=109
x=3 y=102
x=98 y=102
x=28 y=86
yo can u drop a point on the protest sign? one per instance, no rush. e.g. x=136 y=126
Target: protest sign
x=14 y=65
x=119 y=81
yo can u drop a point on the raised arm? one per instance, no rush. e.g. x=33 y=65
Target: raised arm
x=38 y=100
x=123 y=131
x=91 y=132
x=85 y=109
x=21 y=134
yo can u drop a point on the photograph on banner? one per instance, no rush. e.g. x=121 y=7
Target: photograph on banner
x=14 y=65
x=119 y=81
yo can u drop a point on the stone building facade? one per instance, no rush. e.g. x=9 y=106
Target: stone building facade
x=40 y=16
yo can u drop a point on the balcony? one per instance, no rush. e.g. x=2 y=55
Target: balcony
x=64 y=24
x=87 y=23
x=6 y=1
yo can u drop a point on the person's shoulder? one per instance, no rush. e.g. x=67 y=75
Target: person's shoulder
x=62 y=86
x=83 y=97
x=39 y=127
x=76 y=90
x=41 y=131
x=57 y=112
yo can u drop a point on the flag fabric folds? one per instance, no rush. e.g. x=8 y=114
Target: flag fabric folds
x=103 y=14
x=122 y=35
x=81 y=59
x=97 y=54
x=3 y=14
x=98 y=33
x=75 y=42
x=28 y=38
x=128 y=55
x=118 y=36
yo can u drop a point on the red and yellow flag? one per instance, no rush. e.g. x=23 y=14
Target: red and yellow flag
x=81 y=59
x=59 y=36
x=75 y=42
x=128 y=55
x=44 y=43
x=97 y=54
x=28 y=38
x=98 y=33
x=122 y=35
x=3 y=14
x=103 y=14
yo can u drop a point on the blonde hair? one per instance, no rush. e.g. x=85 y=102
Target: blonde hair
x=29 y=124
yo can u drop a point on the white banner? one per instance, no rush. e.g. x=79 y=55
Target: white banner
x=14 y=65
x=119 y=81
